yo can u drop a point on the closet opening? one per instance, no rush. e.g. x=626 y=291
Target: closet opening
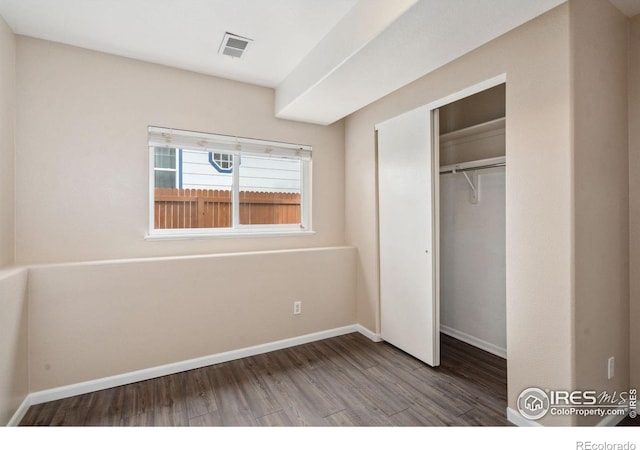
x=441 y=168
x=471 y=219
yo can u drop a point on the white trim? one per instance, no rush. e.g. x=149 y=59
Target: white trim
x=459 y=95
x=515 y=418
x=235 y=197
x=306 y=194
x=100 y=262
x=469 y=91
x=145 y=374
x=472 y=340
x=20 y=412
x=140 y=375
x=434 y=117
x=152 y=185
x=230 y=233
x=168 y=369
x=11 y=271
x=169 y=137
x=236 y=228
x=375 y=337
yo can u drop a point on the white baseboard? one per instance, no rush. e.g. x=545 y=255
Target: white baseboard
x=515 y=418
x=20 y=412
x=472 y=340
x=153 y=372
x=375 y=337
x=140 y=375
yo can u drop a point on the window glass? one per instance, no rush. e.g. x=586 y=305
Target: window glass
x=223 y=161
x=165 y=179
x=164 y=167
x=165 y=158
x=269 y=190
x=195 y=186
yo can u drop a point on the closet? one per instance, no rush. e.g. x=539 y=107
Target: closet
x=472 y=220
x=441 y=211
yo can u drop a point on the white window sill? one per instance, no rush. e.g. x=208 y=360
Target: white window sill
x=227 y=234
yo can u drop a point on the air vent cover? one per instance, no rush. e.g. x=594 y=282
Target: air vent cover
x=234 y=45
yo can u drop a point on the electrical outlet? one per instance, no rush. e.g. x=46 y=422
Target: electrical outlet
x=297 y=307
x=610 y=367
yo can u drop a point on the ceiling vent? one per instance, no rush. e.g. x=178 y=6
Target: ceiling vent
x=234 y=45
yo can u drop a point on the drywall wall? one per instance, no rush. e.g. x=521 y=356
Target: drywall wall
x=634 y=198
x=539 y=231
x=7 y=150
x=89 y=321
x=601 y=173
x=13 y=342
x=82 y=155
x=472 y=260
x=82 y=190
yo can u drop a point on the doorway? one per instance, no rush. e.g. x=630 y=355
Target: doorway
x=409 y=175
x=471 y=219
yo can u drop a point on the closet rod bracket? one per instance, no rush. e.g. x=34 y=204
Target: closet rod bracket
x=473 y=184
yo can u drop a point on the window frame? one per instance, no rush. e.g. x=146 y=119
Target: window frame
x=216 y=165
x=236 y=146
x=175 y=170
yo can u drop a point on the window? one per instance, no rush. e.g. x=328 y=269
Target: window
x=164 y=168
x=224 y=185
x=223 y=162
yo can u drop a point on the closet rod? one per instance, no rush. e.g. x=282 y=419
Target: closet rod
x=486 y=163
x=466 y=169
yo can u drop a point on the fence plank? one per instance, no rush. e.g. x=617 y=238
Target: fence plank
x=208 y=208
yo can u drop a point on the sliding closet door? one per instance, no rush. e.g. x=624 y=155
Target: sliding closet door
x=406 y=227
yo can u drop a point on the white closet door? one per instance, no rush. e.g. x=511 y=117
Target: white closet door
x=406 y=220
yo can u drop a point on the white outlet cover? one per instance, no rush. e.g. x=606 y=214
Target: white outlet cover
x=611 y=367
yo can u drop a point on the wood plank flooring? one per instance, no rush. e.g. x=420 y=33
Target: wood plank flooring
x=342 y=381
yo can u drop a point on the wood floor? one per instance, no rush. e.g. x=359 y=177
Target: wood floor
x=343 y=381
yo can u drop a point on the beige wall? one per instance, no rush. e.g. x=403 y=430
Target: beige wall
x=13 y=342
x=634 y=195
x=7 y=150
x=82 y=191
x=539 y=233
x=13 y=304
x=84 y=115
x=89 y=321
x=601 y=171
x=82 y=155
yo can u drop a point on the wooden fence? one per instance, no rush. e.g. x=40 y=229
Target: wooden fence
x=202 y=208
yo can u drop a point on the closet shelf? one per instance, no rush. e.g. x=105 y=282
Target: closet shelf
x=492 y=125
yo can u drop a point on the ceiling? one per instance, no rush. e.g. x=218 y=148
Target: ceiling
x=629 y=7
x=324 y=58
